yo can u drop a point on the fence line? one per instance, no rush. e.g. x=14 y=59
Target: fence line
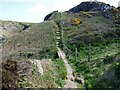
x=73 y=54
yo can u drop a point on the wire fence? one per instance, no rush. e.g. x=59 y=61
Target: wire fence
x=69 y=51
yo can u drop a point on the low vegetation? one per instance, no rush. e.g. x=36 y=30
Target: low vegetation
x=24 y=74
x=35 y=43
x=76 y=21
x=89 y=38
x=92 y=49
x=86 y=14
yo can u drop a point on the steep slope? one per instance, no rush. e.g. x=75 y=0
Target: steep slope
x=91 y=39
x=39 y=38
x=70 y=78
x=87 y=6
x=23 y=50
x=118 y=8
x=25 y=74
x=88 y=36
x=9 y=28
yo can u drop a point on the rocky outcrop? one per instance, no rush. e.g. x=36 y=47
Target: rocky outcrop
x=80 y=79
x=9 y=28
x=88 y=6
x=10 y=25
x=109 y=12
x=49 y=15
x=39 y=66
x=118 y=8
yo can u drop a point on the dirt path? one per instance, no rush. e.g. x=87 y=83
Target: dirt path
x=70 y=78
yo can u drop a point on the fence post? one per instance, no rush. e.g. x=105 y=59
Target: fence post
x=76 y=54
x=89 y=52
x=61 y=30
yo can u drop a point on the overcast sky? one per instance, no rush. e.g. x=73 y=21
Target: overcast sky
x=36 y=10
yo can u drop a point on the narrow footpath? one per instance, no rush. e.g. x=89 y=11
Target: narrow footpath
x=70 y=78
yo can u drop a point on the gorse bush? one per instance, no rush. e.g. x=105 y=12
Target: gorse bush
x=76 y=21
x=86 y=14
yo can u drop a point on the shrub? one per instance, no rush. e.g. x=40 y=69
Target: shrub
x=23 y=83
x=86 y=14
x=9 y=75
x=108 y=59
x=61 y=67
x=117 y=21
x=76 y=21
x=115 y=10
x=117 y=69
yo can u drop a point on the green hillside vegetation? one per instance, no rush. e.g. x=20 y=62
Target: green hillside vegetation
x=91 y=43
x=89 y=38
x=24 y=74
x=21 y=49
x=37 y=42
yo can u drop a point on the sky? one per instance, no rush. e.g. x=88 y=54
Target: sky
x=36 y=10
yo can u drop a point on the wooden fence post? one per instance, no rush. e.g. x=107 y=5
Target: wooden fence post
x=76 y=54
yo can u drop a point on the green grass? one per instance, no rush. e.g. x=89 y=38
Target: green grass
x=39 y=40
x=96 y=72
x=54 y=73
x=104 y=48
x=103 y=56
x=39 y=43
x=61 y=70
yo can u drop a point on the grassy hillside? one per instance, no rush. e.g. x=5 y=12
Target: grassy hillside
x=90 y=38
x=91 y=42
x=37 y=42
x=24 y=73
x=20 y=50
x=8 y=28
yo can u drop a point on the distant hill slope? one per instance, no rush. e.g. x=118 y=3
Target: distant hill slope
x=9 y=28
x=39 y=38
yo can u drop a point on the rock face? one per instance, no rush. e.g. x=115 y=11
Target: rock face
x=49 y=15
x=80 y=79
x=39 y=66
x=23 y=68
x=8 y=28
x=9 y=25
x=87 y=6
x=118 y=8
